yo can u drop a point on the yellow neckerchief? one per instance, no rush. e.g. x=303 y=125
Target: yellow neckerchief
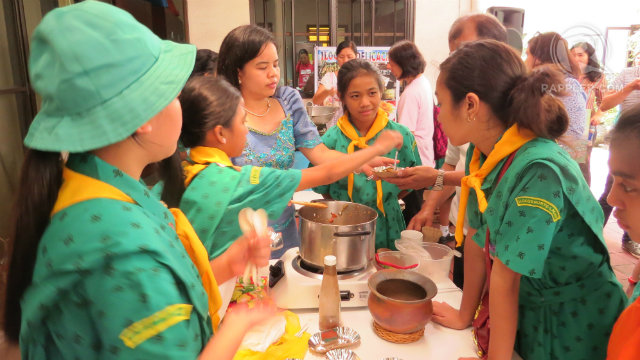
x=78 y=187
x=202 y=156
x=511 y=141
x=349 y=131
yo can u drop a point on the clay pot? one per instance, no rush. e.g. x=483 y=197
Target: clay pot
x=400 y=300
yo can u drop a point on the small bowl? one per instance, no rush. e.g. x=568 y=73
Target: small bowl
x=400 y=300
x=342 y=354
x=335 y=338
x=385 y=172
x=396 y=260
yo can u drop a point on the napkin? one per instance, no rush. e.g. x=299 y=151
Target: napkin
x=288 y=345
x=260 y=337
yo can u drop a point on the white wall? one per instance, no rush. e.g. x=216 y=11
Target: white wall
x=211 y=20
x=433 y=20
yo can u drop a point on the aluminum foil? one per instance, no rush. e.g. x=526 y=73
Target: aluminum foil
x=341 y=354
x=336 y=338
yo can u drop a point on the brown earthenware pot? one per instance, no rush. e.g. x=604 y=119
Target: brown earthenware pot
x=400 y=300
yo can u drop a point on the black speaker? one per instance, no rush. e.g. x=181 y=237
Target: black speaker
x=513 y=20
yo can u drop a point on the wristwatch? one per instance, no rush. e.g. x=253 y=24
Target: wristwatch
x=439 y=181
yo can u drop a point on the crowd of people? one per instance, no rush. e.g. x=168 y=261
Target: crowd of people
x=104 y=268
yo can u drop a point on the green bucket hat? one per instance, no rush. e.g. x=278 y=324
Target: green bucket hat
x=101 y=75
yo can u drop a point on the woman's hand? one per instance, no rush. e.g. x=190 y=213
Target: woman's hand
x=388 y=140
x=251 y=316
x=377 y=161
x=445 y=315
x=248 y=248
x=423 y=218
x=237 y=322
x=418 y=177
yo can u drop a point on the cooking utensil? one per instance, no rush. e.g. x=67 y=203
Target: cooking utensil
x=395 y=161
x=302 y=329
x=350 y=236
x=311 y=204
x=320 y=115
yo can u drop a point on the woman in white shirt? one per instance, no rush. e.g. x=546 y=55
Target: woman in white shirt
x=415 y=107
x=327 y=90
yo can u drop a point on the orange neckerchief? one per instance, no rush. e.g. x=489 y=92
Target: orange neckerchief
x=78 y=187
x=202 y=156
x=511 y=141
x=349 y=131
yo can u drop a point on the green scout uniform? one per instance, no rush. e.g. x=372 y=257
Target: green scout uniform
x=546 y=225
x=216 y=195
x=388 y=227
x=113 y=281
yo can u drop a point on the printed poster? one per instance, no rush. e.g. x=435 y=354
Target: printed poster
x=325 y=61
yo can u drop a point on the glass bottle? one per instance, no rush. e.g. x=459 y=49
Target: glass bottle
x=329 y=307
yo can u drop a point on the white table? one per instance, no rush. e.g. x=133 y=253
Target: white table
x=438 y=342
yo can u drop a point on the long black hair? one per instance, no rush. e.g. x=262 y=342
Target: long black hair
x=206 y=63
x=40 y=180
x=240 y=46
x=552 y=48
x=496 y=74
x=206 y=103
x=593 y=70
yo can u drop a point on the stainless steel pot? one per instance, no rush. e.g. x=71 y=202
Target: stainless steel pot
x=320 y=115
x=344 y=229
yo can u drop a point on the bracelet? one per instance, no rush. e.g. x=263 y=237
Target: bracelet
x=631 y=281
x=439 y=181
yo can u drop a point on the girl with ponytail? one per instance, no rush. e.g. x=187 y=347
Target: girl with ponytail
x=98 y=269
x=544 y=275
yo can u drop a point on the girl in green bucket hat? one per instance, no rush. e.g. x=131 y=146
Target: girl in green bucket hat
x=98 y=269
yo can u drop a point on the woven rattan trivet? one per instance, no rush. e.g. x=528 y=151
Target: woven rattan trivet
x=397 y=338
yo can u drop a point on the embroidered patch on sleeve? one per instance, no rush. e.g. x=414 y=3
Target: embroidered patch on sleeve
x=254 y=178
x=138 y=332
x=540 y=204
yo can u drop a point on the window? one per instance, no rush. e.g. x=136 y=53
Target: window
x=303 y=24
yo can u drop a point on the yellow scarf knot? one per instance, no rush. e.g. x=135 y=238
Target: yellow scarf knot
x=201 y=157
x=361 y=141
x=511 y=141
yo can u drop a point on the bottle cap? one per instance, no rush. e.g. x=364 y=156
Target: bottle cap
x=330 y=260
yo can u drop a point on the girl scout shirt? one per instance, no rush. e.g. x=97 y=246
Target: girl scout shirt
x=113 y=281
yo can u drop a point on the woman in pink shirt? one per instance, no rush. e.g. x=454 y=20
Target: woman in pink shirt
x=415 y=108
